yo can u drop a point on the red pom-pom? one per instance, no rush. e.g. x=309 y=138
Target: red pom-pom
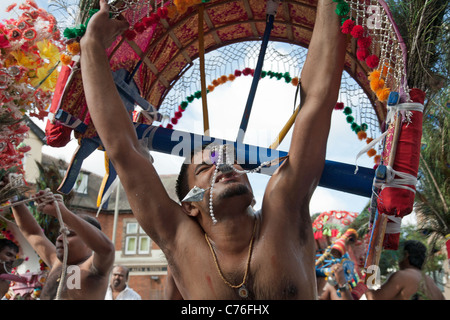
x=357 y=32
x=339 y=106
x=237 y=73
x=362 y=54
x=129 y=34
x=140 y=27
x=247 y=71
x=174 y=120
x=364 y=42
x=163 y=12
x=372 y=61
x=178 y=114
x=347 y=26
x=169 y=126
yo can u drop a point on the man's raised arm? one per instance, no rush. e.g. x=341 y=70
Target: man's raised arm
x=320 y=83
x=146 y=194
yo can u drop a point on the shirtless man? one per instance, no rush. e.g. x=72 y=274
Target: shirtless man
x=410 y=283
x=88 y=248
x=212 y=261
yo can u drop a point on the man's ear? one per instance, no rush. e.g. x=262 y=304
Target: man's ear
x=190 y=208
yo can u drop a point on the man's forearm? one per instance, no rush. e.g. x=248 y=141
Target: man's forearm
x=323 y=67
x=92 y=236
x=105 y=105
x=25 y=221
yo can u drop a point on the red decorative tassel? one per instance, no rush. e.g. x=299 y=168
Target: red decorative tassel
x=347 y=26
x=129 y=34
x=364 y=42
x=362 y=54
x=372 y=61
x=357 y=31
x=339 y=106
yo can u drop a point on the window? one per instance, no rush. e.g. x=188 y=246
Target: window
x=136 y=240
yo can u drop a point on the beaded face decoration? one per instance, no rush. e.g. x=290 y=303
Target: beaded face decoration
x=223 y=157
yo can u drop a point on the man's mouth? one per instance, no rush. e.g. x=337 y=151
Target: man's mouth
x=225 y=177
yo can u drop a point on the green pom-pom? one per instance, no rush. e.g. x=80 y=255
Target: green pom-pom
x=190 y=99
x=263 y=74
x=350 y=119
x=184 y=105
x=80 y=30
x=355 y=127
x=198 y=94
x=342 y=8
x=347 y=111
x=69 y=33
x=287 y=77
x=364 y=127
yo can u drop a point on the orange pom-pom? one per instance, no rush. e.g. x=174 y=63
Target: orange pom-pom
x=369 y=140
x=73 y=48
x=371 y=152
x=377 y=159
x=65 y=59
x=383 y=94
x=223 y=79
x=362 y=135
x=211 y=88
x=172 y=11
x=231 y=77
x=376 y=84
x=295 y=81
x=374 y=75
x=215 y=82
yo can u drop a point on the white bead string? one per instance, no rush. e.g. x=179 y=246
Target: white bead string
x=229 y=162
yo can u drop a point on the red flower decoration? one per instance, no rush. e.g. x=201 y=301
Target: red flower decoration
x=347 y=26
x=129 y=34
x=362 y=54
x=372 y=61
x=339 y=106
x=364 y=42
x=357 y=31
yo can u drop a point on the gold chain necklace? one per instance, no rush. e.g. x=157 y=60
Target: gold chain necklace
x=243 y=292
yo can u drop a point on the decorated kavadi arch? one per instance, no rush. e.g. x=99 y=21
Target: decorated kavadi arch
x=168 y=43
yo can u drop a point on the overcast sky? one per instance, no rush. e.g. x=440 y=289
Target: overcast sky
x=271 y=109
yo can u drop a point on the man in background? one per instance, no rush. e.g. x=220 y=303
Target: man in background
x=118 y=288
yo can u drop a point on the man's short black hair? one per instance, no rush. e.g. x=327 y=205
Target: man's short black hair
x=417 y=252
x=90 y=220
x=4 y=243
x=182 y=186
